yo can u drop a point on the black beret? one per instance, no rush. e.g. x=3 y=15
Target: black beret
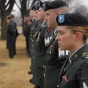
x=54 y=5
x=39 y=4
x=36 y=6
x=33 y=7
x=71 y=19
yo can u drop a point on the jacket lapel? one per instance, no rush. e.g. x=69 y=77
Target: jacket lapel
x=68 y=63
x=74 y=58
x=62 y=70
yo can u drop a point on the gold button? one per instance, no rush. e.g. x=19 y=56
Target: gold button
x=44 y=75
x=69 y=60
x=57 y=86
x=45 y=67
x=75 y=55
x=50 y=52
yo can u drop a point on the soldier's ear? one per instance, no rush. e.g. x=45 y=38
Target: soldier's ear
x=78 y=35
x=58 y=13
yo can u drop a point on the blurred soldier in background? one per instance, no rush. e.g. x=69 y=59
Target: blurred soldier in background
x=10 y=37
x=16 y=32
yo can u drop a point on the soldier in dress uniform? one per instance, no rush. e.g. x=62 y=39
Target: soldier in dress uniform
x=72 y=36
x=33 y=26
x=16 y=32
x=54 y=56
x=10 y=37
x=40 y=49
x=30 y=36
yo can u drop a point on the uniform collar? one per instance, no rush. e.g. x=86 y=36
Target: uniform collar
x=78 y=52
x=34 y=18
x=55 y=31
x=44 y=22
x=73 y=58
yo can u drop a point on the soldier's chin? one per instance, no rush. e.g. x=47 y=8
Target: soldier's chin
x=49 y=26
x=62 y=48
x=38 y=19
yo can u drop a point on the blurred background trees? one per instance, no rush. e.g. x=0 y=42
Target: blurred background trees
x=77 y=6
x=20 y=8
x=6 y=8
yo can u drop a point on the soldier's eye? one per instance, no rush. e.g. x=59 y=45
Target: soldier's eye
x=47 y=14
x=61 y=33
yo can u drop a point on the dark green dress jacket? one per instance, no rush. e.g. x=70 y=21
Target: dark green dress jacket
x=53 y=62
x=39 y=55
x=74 y=73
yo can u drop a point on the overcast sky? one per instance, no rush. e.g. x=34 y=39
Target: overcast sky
x=84 y=2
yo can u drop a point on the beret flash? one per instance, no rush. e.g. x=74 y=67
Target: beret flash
x=33 y=7
x=71 y=19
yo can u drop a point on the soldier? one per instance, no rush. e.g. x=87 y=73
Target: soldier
x=32 y=30
x=16 y=32
x=40 y=49
x=72 y=36
x=32 y=26
x=53 y=61
x=10 y=37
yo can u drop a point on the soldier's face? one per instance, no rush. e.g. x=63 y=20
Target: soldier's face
x=41 y=15
x=36 y=14
x=31 y=13
x=65 y=38
x=50 y=17
x=8 y=21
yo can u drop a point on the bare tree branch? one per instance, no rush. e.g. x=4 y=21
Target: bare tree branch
x=17 y=5
x=11 y=3
x=6 y=4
